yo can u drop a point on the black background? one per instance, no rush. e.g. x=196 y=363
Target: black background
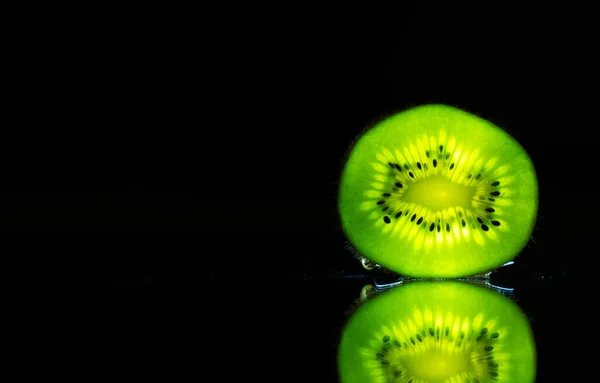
x=169 y=190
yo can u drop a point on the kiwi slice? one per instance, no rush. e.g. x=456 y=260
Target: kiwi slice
x=437 y=331
x=435 y=191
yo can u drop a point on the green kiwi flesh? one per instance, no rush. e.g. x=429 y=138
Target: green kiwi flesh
x=435 y=191
x=437 y=331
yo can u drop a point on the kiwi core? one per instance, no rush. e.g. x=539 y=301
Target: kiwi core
x=438 y=192
x=437 y=366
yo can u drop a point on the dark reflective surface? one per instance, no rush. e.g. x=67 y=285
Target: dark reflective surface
x=162 y=312
x=270 y=305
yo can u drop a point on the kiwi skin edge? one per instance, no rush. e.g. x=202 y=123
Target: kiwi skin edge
x=499 y=228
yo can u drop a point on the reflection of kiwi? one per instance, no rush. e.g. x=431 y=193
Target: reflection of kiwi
x=437 y=192
x=440 y=331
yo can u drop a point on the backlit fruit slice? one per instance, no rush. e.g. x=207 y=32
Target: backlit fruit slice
x=435 y=191
x=437 y=331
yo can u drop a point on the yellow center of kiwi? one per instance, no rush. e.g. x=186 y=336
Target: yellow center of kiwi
x=438 y=192
x=437 y=365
